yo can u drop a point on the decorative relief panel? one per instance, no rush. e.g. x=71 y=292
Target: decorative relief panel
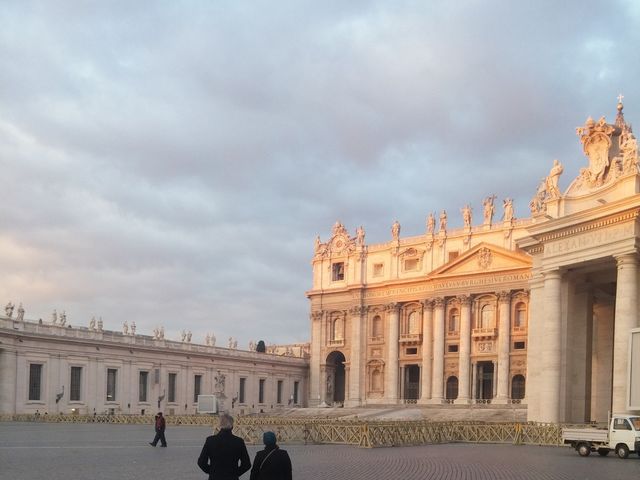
x=485 y=347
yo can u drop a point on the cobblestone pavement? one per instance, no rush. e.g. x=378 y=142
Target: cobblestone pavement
x=31 y=451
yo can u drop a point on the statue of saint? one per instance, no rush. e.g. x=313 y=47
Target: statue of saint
x=133 y=328
x=552 y=179
x=431 y=223
x=213 y=340
x=507 y=203
x=183 y=336
x=488 y=209
x=125 y=328
x=100 y=324
x=54 y=317
x=20 y=316
x=360 y=236
x=189 y=336
x=466 y=215
x=443 y=221
x=395 y=230
x=63 y=318
x=161 y=332
x=92 y=323
x=8 y=309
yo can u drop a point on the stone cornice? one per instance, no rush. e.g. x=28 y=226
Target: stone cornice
x=600 y=223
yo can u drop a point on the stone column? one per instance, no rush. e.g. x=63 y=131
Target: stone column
x=625 y=319
x=504 y=330
x=551 y=350
x=358 y=333
x=438 y=351
x=427 y=350
x=464 y=356
x=315 y=375
x=391 y=377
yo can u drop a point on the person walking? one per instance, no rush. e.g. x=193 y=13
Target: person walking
x=160 y=427
x=224 y=456
x=272 y=463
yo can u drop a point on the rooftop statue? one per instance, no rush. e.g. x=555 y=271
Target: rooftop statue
x=488 y=209
x=395 y=230
x=443 y=221
x=431 y=223
x=466 y=215
x=507 y=203
x=552 y=179
x=20 y=316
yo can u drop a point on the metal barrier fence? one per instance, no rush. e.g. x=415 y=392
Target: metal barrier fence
x=362 y=433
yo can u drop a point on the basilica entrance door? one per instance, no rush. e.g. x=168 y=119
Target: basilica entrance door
x=484 y=380
x=411 y=382
x=335 y=380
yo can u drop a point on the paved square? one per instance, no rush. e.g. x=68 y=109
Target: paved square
x=100 y=451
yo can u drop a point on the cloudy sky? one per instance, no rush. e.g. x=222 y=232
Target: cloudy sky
x=171 y=162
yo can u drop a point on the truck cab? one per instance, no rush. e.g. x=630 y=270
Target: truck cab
x=624 y=435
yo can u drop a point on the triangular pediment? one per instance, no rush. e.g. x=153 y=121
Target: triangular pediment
x=484 y=258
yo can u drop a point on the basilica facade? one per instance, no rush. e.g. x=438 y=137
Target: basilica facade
x=535 y=311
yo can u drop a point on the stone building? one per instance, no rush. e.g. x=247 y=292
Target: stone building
x=55 y=368
x=535 y=311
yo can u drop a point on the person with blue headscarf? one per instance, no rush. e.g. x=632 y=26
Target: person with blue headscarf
x=272 y=463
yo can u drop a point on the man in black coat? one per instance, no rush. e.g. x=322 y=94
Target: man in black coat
x=272 y=463
x=222 y=453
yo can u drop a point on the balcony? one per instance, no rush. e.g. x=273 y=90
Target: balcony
x=410 y=338
x=516 y=330
x=484 y=332
x=453 y=333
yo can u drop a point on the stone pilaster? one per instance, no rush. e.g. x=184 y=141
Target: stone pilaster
x=504 y=330
x=464 y=358
x=391 y=377
x=314 y=369
x=551 y=348
x=427 y=351
x=437 y=385
x=354 y=398
x=625 y=319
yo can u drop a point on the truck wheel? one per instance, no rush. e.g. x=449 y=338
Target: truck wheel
x=603 y=452
x=584 y=449
x=622 y=451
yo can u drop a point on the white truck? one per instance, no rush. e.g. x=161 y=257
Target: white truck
x=623 y=437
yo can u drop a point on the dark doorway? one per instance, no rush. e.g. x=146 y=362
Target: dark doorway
x=452 y=388
x=335 y=378
x=411 y=382
x=484 y=383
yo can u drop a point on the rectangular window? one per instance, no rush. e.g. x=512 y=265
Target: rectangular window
x=378 y=269
x=279 y=392
x=197 y=382
x=411 y=351
x=295 y=392
x=35 y=381
x=171 y=398
x=261 y=384
x=337 y=271
x=518 y=345
x=411 y=264
x=75 y=384
x=242 y=392
x=143 y=381
x=111 y=384
x=452 y=348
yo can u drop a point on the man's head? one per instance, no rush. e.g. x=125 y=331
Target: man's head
x=269 y=438
x=159 y=414
x=226 y=422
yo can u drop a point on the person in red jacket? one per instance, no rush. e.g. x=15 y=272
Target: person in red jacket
x=160 y=427
x=224 y=456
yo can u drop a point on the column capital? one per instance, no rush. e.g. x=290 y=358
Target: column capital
x=438 y=302
x=504 y=296
x=357 y=310
x=627 y=259
x=392 y=307
x=427 y=304
x=552 y=274
x=316 y=315
x=465 y=300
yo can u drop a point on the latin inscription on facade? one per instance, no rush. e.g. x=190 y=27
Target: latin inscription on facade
x=588 y=240
x=451 y=284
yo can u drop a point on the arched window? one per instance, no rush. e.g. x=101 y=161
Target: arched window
x=376 y=380
x=454 y=320
x=376 y=327
x=486 y=316
x=338 y=329
x=520 y=320
x=452 y=388
x=517 y=387
x=414 y=323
